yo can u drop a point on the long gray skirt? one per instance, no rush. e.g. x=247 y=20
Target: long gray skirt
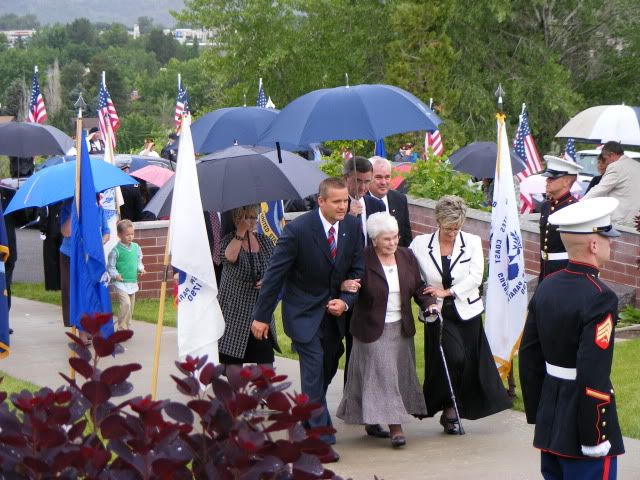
x=382 y=383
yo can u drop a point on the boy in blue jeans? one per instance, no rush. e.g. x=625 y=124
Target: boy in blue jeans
x=125 y=263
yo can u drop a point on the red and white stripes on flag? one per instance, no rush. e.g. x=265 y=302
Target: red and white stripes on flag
x=37 y=110
x=525 y=147
x=433 y=140
x=108 y=119
x=182 y=104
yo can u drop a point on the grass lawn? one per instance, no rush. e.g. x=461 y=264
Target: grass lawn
x=15 y=385
x=626 y=359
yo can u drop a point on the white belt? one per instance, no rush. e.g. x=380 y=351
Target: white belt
x=554 y=256
x=561 y=372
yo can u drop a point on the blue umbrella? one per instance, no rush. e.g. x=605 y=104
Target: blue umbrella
x=365 y=112
x=57 y=183
x=478 y=159
x=225 y=127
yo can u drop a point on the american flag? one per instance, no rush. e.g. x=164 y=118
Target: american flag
x=525 y=147
x=182 y=104
x=433 y=140
x=262 y=98
x=570 y=150
x=107 y=113
x=37 y=110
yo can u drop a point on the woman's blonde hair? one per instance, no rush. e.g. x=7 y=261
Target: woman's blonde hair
x=240 y=212
x=451 y=210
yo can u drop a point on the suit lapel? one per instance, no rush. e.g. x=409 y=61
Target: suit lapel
x=320 y=236
x=392 y=204
x=373 y=263
x=434 y=251
x=343 y=239
x=458 y=250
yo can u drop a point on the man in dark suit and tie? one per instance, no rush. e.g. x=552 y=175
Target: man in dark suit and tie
x=395 y=202
x=315 y=254
x=358 y=173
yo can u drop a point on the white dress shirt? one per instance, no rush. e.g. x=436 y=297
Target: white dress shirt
x=327 y=225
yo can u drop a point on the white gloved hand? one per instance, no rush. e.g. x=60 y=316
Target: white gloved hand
x=599 y=450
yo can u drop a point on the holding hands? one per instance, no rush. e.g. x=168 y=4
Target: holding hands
x=351 y=285
x=438 y=292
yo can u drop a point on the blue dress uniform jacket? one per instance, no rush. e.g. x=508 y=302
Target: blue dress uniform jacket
x=569 y=332
x=550 y=242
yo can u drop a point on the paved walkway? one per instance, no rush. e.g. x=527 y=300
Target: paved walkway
x=495 y=448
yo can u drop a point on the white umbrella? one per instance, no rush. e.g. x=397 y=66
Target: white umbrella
x=620 y=123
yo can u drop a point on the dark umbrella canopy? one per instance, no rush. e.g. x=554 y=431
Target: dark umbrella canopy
x=240 y=175
x=479 y=160
x=365 y=112
x=21 y=139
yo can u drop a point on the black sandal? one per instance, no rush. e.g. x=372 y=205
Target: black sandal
x=375 y=430
x=450 y=425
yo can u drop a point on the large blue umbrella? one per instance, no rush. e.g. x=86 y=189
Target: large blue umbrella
x=365 y=112
x=225 y=127
x=57 y=183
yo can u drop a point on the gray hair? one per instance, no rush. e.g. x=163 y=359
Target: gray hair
x=381 y=222
x=451 y=210
x=377 y=160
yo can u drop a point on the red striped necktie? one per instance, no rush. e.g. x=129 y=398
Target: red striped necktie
x=331 y=240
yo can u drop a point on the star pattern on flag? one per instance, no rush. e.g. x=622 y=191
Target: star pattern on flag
x=37 y=110
x=107 y=113
x=182 y=105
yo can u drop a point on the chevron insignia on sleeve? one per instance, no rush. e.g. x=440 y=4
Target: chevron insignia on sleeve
x=597 y=395
x=603 y=332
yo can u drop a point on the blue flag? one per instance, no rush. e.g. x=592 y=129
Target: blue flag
x=4 y=306
x=380 y=150
x=89 y=292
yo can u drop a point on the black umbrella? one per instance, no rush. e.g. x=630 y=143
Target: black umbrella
x=479 y=160
x=21 y=139
x=241 y=175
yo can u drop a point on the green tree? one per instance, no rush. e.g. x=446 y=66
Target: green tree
x=11 y=21
x=115 y=36
x=165 y=47
x=81 y=31
x=145 y=24
x=52 y=36
x=134 y=128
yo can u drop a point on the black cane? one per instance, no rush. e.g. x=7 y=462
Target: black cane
x=446 y=371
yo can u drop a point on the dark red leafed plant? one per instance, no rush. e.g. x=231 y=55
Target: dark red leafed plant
x=221 y=431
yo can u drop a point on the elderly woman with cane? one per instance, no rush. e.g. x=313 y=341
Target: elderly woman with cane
x=452 y=263
x=382 y=384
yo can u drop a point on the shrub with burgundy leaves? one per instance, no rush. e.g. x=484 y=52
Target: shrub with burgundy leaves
x=246 y=426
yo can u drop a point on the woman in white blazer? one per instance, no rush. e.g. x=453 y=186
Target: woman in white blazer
x=452 y=264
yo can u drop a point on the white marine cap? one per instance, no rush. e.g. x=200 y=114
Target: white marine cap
x=592 y=215
x=559 y=167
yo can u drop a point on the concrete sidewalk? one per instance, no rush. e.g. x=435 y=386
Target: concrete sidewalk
x=498 y=447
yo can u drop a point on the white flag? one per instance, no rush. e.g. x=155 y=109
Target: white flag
x=200 y=322
x=506 y=286
x=111 y=199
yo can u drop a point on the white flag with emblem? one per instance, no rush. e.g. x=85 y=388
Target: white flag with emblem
x=200 y=322
x=506 y=308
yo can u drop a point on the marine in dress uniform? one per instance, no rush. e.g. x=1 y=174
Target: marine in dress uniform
x=567 y=351
x=560 y=175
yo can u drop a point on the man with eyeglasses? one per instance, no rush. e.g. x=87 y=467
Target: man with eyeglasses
x=561 y=174
x=620 y=181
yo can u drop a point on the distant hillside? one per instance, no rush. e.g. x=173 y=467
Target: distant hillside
x=123 y=11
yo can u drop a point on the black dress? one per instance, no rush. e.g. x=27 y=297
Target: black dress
x=476 y=382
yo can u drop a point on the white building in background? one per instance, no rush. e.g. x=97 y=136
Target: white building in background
x=186 y=36
x=14 y=35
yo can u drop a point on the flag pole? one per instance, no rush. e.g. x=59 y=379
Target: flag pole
x=163 y=293
x=77 y=193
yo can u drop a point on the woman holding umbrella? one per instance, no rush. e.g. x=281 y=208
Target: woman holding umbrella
x=245 y=255
x=452 y=264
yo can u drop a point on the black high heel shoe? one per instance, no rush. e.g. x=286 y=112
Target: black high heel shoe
x=450 y=425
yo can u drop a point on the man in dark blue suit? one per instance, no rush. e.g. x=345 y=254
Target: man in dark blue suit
x=316 y=253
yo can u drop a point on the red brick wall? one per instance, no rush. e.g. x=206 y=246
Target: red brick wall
x=625 y=250
x=152 y=238
x=622 y=268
